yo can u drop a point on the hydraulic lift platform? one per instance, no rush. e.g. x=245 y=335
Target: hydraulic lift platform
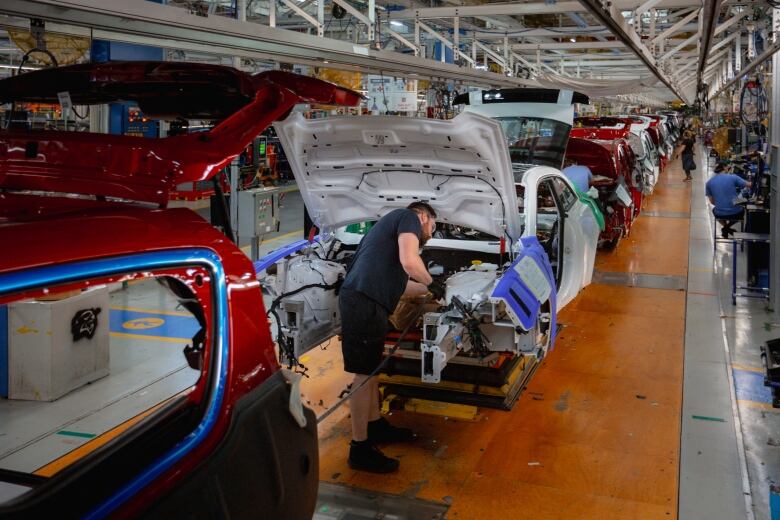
x=493 y=383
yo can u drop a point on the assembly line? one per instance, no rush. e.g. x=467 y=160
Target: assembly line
x=340 y=260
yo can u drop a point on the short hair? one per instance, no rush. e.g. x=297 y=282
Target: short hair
x=422 y=207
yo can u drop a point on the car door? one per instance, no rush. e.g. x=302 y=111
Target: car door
x=566 y=228
x=580 y=239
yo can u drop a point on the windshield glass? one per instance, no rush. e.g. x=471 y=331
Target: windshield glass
x=535 y=140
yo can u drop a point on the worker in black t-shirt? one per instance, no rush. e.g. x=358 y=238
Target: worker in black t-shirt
x=386 y=266
x=688 y=162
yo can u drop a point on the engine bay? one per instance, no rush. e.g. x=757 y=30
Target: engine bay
x=472 y=324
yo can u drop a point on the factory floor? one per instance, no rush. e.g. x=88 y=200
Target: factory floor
x=596 y=433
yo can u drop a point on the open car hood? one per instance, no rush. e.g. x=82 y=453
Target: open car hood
x=599 y=156
x=137 y=168
x=354 y=169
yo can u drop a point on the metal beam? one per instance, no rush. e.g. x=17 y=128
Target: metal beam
x=604 y=63
x=149 y=23
x=715 y=57
x=303 y=14
x=650 y=4
x=515 y=9
x=568 y=45
x=709 y=22
x=680 y=46
x=751 y=66
x=731 y=21
x=676 y=27
x=723 y=42
x=680 y=70
x=617 y=24
x=402 y=40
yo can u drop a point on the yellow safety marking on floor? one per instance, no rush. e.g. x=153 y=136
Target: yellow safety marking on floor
x=702 y=270
x=757 y=404
x=152 y=311
x=737 y=366
x=146 y=337
x=57 y=465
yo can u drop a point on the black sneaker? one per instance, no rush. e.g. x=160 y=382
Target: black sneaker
x=381 y=431
x=365 y=456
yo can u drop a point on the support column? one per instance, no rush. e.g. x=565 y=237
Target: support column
x=321 y=19
x=730 y=59
x=738 y=53
x=538 y=60
x=506 y=54
x=233 y=168
x=652 y=24
x=774 y=223
x=372 y=22
x=456 y=41
x=417 y=36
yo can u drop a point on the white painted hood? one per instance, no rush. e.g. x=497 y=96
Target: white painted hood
x=354 y=169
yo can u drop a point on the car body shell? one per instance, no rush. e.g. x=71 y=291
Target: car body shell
x=60 y=207
x=613 y=165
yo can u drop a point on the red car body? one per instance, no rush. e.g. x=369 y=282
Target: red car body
x=618 y=130
x=251 y=458
x=612 y=163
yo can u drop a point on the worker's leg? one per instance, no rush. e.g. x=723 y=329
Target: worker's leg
x=363 y=329
x=361 y=406
x=375 y=403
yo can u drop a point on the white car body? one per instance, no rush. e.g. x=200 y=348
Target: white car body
x=646 y=152
x=357 y=169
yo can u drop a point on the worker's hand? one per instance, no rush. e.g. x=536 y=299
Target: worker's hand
x=436 y=290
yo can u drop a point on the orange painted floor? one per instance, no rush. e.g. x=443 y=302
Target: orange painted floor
x=596 y=434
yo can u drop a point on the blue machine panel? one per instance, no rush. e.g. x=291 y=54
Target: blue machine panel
x=527 y=284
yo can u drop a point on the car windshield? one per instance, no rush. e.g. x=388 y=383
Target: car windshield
x=535 y=140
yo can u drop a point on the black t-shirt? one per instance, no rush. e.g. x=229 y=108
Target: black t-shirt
x=687 y=146
x=376 y=269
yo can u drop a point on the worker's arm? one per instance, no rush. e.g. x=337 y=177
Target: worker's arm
x=409 y=253
x=415 y=289
x=712 y=201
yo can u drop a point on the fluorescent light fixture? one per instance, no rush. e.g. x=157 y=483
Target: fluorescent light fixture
x=396 y=23
x=573 y=40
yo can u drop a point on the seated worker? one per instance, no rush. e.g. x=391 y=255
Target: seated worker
x=721 y=191
x=579 y=174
